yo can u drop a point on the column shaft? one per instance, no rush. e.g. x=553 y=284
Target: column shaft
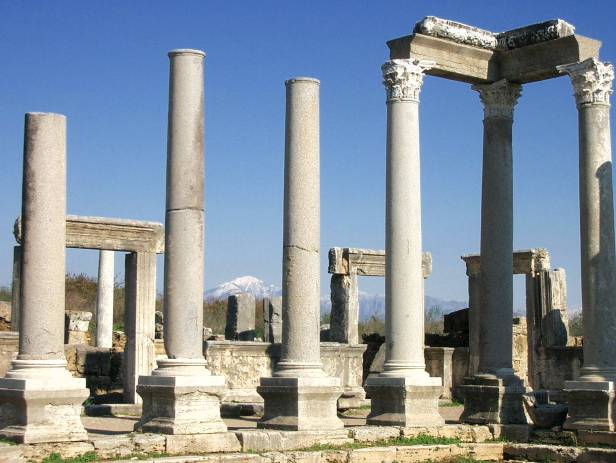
x=300 y=268
x=184 y=221
x=104 y=299
x=16 y=288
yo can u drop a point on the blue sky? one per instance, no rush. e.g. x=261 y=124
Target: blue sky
x=104 y=65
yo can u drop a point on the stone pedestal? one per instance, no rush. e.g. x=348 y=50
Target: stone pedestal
x=488 y=399
x=181 y=396
x=403 y=402
x=300 y=395
x=300 y=404
x=39 y=399
x=591 y=405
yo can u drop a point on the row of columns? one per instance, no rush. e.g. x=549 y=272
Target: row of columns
x=180 y=396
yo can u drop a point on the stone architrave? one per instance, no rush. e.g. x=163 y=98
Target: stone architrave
x=104 y=299
x=181 y=396
x=40 y=401
x=272 y=310
x=300 y=396
x=592 y=397
x=240 y=317
x=404 y=394
x=494 y=394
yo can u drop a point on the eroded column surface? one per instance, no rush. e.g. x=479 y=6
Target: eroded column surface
x=104 y=299
x=39 y=399
x=180 y=397
x=300 y=396
x=591 y=398
x=404 y=394
x=493 y=395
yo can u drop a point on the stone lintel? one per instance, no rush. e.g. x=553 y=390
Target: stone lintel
x=525 y=262
x=475 y=65
x=366 y=262
x=112 y=234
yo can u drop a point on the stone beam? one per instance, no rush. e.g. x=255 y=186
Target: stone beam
x=366 y=262
x=526 y=262
x=111 y=234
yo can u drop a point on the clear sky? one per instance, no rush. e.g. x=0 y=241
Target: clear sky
x=104 y=65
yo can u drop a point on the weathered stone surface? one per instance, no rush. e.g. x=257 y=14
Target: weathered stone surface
x=590 y=438
x=535 y=33
x=65 y=450
x=538 y=452
x=510 y=432
x=272 y=311
x=240 y=318
x=464 y=432
x=374 y=433
x=268 y=440
x=9 y=346
x=457 y=32
x=493 y=400
x=203 y=443
x=591 y=405
x=366 y=262
x=76 y=326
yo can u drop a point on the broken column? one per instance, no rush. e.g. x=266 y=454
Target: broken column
x=40 y=401
x=240 y=317
x=344 y=295
x=404 y=394
x=494 y=394
x=104 y=299
x=272 y=323
x=591 y=398
x=181 y=396
x=300 y=396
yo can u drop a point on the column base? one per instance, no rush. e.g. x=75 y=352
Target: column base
x=300 y=404
x=591 y=405
x=41 y=402
x=181 y=404
x=404 y=402
x=490 y=399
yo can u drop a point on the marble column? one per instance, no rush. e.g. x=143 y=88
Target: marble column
x=404 y=394
x=104 y=299
x=472 y=271
x=300 y=396
x=40 y=401
x=494 y=394
x=16 y=288
x=591 y=399
x=181 y=396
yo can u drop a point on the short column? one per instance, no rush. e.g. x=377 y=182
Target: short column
x=591 y=399
x=181 y=396
x=40 y=401
x=344 y=320
x=300 y=396
x=494 y=394
x=104 y=299
x=472 y=271
x=404 y=394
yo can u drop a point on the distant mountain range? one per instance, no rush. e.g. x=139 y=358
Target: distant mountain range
x=369 y=304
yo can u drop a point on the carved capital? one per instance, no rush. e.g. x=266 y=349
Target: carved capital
x=403 y=78
x=498 y=98
x=592 y=81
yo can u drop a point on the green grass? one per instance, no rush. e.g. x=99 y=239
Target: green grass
x=56 y=458
x=453 y=403
x=421 y=439
x=4 y=440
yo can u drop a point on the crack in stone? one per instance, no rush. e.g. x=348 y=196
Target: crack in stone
x=316 y=251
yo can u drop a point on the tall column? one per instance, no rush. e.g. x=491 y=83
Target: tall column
x=16 y=288
x=40 y=401
x=104 y=299
x=181 y=396
x=404 y=394
x=592 y=397
x=300 y=396
x=494 y=394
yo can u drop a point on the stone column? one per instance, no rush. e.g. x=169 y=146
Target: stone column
x=472 y=271
x=404 y=394
x=16 y=288
x=181 y=396
x=592 y=397
x=104 y=299
x=344 y=294
x=300 y=396
x=494 y=395
x=40 y=401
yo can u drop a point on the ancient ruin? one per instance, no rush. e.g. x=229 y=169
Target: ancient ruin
x=516 y=377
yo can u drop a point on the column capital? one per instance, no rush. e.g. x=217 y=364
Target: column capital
x=498 y=98
x=591 y=79
x=403 y=78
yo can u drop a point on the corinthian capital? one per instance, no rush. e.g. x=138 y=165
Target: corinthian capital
x=403 y=78
x=498 y=98
x=591 y=79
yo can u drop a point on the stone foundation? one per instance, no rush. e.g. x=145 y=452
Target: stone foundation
x=591 y=406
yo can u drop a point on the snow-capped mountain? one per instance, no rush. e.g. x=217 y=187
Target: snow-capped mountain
x=369 y=304
x=246 y=284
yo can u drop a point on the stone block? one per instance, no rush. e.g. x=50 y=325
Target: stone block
x=66 y=450
x=273 y=320
x=456 y=322
x=591 y=406
x=374 y=433
x=398 y=402
x=590 y=438
x=482 y=452
x=493 y=400
x=149 y=443
x=113 y=447
x=203 y=443
x=300 y=404
x=272 y=440
x=240 y=318
x=597 y=456
x=511 y=432
x=538 y=452
x=372 y=454
x=422 y=453
x=181 y=404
